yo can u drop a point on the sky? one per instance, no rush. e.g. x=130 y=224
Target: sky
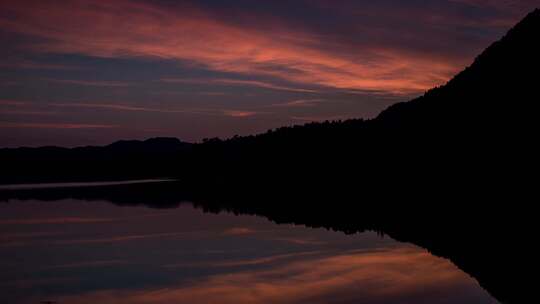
x=89 y=72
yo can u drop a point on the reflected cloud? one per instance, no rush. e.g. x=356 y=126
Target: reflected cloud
x=239 y=231
x=124 y=238
x=184 y=255
x=381 y=277
x=245 y=262
x=60 y=220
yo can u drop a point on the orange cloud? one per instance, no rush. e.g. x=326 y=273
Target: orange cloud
x=132 y=29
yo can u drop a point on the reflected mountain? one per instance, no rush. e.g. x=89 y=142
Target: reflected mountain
x=477 y=242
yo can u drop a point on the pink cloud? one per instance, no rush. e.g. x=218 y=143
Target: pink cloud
x=299 y=103
x=131 y=29
x=240 y=114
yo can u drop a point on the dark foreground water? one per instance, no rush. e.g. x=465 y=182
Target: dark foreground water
x=95 y=252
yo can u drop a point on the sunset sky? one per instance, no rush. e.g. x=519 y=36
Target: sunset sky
x=87 y=72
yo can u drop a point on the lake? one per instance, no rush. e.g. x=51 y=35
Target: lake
x=79 y=251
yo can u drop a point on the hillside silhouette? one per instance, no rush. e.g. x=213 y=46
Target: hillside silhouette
x=454 y=171
x=475 y=134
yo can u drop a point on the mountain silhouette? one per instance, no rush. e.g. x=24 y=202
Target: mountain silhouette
x=453 y=171
x=498 y=88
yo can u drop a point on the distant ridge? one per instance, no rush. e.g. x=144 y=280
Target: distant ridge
x=124 y=159
x=158 y=144
x=170 y=142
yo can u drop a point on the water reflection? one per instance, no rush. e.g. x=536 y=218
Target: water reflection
x=72 y=251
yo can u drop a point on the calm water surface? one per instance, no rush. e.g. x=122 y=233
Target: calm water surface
x=95 y=252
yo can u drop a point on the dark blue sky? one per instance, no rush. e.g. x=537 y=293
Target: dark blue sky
x=83 y=72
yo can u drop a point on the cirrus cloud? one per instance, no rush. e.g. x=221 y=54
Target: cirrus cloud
x=133 y=29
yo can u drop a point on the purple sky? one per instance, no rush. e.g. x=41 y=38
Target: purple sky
x=81 y=72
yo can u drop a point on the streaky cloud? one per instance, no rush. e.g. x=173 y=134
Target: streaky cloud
x=133 y=29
